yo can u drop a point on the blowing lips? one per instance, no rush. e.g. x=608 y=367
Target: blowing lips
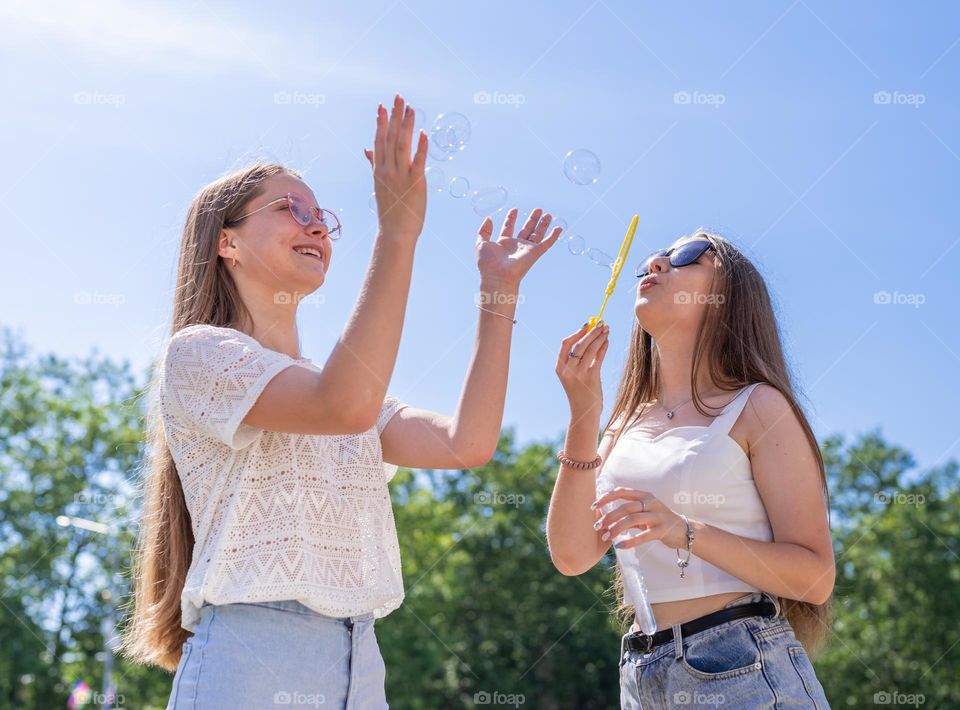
x=647 y=281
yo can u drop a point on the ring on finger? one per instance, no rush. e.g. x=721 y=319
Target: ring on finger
x=573 y=354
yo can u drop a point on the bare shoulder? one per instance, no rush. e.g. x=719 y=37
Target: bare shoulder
x=770 y=419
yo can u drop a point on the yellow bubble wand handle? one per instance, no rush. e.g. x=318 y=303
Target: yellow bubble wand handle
x=617 y=268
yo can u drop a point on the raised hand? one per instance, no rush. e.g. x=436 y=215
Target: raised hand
x=578 y=367
x=507 y=260
x=399 y=183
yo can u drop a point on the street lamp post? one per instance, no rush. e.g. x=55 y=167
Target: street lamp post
x=108 y=628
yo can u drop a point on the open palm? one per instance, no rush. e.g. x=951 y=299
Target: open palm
x=508 y=259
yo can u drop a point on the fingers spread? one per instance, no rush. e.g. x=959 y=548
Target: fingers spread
x=380 y=140
x=506 y=232
x=530 y=224
x=541 y=228
x=420 y=159
x=405 y=138
x=486 y=230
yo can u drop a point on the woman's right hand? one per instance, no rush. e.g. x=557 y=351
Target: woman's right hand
x=399 y=183
x=578 y=367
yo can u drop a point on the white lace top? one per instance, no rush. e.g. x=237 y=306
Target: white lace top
x=275 y=516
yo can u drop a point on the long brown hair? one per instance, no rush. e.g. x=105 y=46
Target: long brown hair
x=738 y=341
x=205 y=293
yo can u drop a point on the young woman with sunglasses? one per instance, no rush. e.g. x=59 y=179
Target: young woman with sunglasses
x=268 y=546
x=711 y=486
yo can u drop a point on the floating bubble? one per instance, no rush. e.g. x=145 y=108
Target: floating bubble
x=600 y=258
x=459 y=187
x=559 y=222
x=435 y=178
x=372 y=202
x=489 y=200
x=450 y=132
x=437 y=153
x=581 y=166
x=576 y=244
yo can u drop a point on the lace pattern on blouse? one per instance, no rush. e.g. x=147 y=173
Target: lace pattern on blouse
x=276 y=516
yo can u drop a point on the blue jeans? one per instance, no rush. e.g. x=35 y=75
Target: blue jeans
x=277 y=655
x=751 y=663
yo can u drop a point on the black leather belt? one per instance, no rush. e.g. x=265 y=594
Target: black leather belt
x=644 y=644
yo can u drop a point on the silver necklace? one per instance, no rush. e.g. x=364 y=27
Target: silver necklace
x=671 y=411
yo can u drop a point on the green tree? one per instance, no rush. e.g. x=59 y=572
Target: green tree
x=897 y=542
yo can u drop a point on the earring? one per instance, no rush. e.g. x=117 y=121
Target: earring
x=234 y=262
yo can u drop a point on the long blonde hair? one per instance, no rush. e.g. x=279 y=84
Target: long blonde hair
x=739 y=342
x=205 y=293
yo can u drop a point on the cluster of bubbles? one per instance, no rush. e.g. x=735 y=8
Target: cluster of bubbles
x=449 y=134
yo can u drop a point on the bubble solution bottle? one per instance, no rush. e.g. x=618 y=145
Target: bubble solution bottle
x=629 y=562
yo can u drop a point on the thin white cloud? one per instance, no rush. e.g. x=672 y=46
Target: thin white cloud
x=179 y=39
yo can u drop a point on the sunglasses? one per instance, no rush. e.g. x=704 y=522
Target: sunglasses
x=303 y=213
x=683 y=255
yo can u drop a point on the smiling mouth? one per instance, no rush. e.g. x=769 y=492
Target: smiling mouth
x=310 y=254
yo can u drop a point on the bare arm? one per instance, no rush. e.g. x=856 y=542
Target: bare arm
x=347 y=396
x=575 y=546
x=799 y=564
x=422 y=439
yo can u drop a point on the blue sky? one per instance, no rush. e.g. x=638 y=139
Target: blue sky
x=822 y=138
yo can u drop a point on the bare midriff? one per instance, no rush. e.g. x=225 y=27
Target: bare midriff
x=679 y=612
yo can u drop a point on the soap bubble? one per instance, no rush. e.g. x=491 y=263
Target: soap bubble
x=581 y=166
x=434 y=177
x=600 y=258
x=449 y=135
x=559 y=222
x=576 y=244
x=459 y=187
x=372 y=202
x=437 y=153
x=489 y=200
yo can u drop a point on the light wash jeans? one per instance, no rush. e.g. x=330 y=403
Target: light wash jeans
x=279 y=656
x=750 y=663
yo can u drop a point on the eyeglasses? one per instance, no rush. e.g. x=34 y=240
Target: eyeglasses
x=683 y=255
x=303 y=213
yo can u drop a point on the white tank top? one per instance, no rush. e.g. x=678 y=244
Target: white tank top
x=700 y=471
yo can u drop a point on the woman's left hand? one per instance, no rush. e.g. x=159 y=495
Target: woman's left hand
x=507 y=260
x=643 y=510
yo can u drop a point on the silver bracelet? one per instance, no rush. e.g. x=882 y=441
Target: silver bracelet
x=681 y=562
x=513 y=320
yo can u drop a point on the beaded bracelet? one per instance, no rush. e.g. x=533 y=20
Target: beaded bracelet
x=579 y=465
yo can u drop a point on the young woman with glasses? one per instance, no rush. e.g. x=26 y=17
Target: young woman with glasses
x=708 y=482
x=268 y=546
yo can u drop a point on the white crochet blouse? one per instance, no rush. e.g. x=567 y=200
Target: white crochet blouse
x=275 y=516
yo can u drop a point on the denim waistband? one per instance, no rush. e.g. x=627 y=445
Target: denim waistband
x=295 y=607
x=678 y=638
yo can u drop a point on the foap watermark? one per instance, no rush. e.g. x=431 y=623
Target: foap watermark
x=499 y=498
x=498 y=98
x=495 y=298
x=298 y=98
x=102 y=499
x=687 y=297
x=283 y=298
x=899 y=98
x=698 y=98
x=94 y=298
x=699 y=498
x=296 y=698
x=885 y=697
x=898 y=498
x=685 y=697
x=98 y=98
x=485 y=697
x=113 y=700
x=895 y=298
